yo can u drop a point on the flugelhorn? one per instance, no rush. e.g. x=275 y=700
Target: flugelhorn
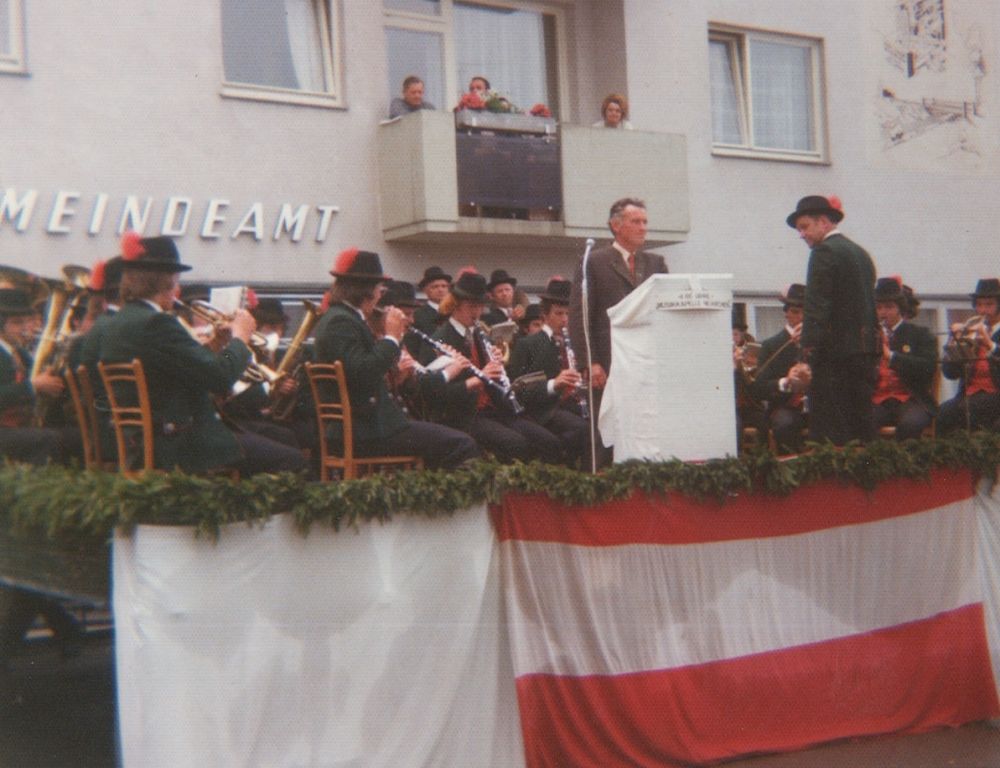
x=256 y=371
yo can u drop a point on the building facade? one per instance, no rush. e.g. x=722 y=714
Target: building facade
x=252 y=131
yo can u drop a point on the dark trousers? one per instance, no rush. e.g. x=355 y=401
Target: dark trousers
x=573 y=432
x=840 y=400
x=910 y=418
x=514 y=438
x=33 y=445
x=978 y=411
x=439 y=446
x=261 y=454
x=18 y=609
x=786 y=427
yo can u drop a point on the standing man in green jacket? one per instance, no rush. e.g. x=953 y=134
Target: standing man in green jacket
x=840 y=341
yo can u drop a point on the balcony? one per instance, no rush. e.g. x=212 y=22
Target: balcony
x=568 y=177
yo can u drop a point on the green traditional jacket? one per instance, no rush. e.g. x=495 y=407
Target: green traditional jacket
x=181 y=376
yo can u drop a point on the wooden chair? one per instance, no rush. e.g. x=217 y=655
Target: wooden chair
x=81 y=392
x=126 y=419
x=329 y=390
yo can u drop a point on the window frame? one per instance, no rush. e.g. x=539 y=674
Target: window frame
x=443 y=23
x=738 y=40
x=15 y=62
x=329 y=21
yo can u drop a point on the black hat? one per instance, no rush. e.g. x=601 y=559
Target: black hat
x=151 y=254
x=532 y=312
x=817 y=204
x=363 y=266
x=399 y=293
x=431 y=274
x=891 y=289
x=558 y=290
x=987 y=288
x=498 y=277
x=195 y=292
x=269 y=312
x=794 y=295
x=738 y=316
x=15 y=302
x=105 y=275
x=471 y=286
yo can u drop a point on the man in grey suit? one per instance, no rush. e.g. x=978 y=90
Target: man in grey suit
x=613 y=272
x=840 y=343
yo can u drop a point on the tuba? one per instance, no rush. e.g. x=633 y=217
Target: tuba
x=281 y=405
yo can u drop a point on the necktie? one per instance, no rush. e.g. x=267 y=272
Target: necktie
x=631 y=265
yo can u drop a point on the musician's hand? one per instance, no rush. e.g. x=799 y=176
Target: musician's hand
x=494 y=369
x=517 y=313
x=800 y=377
x=983 y=335
x=458 y=364
x=242 y=325
x=737 y=357
x=406 y=365
x=287 y=385
x=395 y=323
x=48 y=383
x=568 y=379
x=598 y=376
x=474 y=383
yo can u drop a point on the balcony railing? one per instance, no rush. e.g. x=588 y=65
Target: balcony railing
x=545 y=187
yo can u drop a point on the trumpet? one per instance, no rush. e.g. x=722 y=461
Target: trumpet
x=256 y=371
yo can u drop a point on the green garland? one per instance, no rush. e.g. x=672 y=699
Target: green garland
x=74 y=506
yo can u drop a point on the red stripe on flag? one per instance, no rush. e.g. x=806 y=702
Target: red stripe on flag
x=676 y=519
x=909 y=678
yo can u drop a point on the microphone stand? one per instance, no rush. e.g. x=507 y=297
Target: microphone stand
x=590 y=365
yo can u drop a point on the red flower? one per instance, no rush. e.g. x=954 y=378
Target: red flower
x=471 y=101
x=540 y=110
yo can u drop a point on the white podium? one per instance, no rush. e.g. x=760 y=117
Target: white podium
x=670 y=389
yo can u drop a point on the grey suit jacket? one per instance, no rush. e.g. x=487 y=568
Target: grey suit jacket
x=608 y=282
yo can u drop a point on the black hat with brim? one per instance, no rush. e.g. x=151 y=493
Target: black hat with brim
x=431 y=274
x=14 y=302
x=557 y=291
x=151 y=254
x=988 y=288
x=399 y=293
x=794 y=295
x=499 y=277
x=816 y=205
x=270 y=312
x=360 y=266
x=890 y=289
x=470 y=286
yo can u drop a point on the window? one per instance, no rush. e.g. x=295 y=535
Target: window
x=517 y=45
x=766 y=95
x=281 y=50
x=11 y=37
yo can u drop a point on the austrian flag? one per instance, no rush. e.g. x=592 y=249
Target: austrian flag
x=660 y=631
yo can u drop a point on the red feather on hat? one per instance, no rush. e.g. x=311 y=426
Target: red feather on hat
x=132 y=247
x=251 y=299
x=897 y=279
x=560 y=278
x=97 y=279
x=345 y=260
x=835 y=203
x=469 y=270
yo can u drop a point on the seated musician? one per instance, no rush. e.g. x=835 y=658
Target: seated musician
x=531 y=322
x=977 y=404
x=381 y=428
x=19 y=439
x=749 y=410
x=486 y=412
x=182 y=375
x=903 y=397
x=558 y=401
x=503 y=301
x=780 y=379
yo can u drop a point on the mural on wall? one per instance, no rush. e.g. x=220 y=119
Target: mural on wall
x=932 y=61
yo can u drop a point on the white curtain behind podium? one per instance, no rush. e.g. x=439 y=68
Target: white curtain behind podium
x=670 y=388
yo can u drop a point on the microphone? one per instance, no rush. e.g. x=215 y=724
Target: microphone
x=585 y=310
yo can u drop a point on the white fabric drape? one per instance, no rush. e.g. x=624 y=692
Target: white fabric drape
x=781 y=77
x=302 y=23
x=378 y=647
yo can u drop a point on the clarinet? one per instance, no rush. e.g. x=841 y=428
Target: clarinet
x=581 y=391
x=509 y=398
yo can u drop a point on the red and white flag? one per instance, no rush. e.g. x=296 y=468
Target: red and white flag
x=664 y=632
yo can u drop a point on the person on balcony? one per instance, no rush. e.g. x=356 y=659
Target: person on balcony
x=614 y=111
x=412 y=99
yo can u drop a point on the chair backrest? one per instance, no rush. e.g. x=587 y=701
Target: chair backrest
x=329 y=390
x=130 y=412
x=82 y=394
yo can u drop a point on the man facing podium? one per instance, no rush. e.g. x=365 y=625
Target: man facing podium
x=613 y=273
